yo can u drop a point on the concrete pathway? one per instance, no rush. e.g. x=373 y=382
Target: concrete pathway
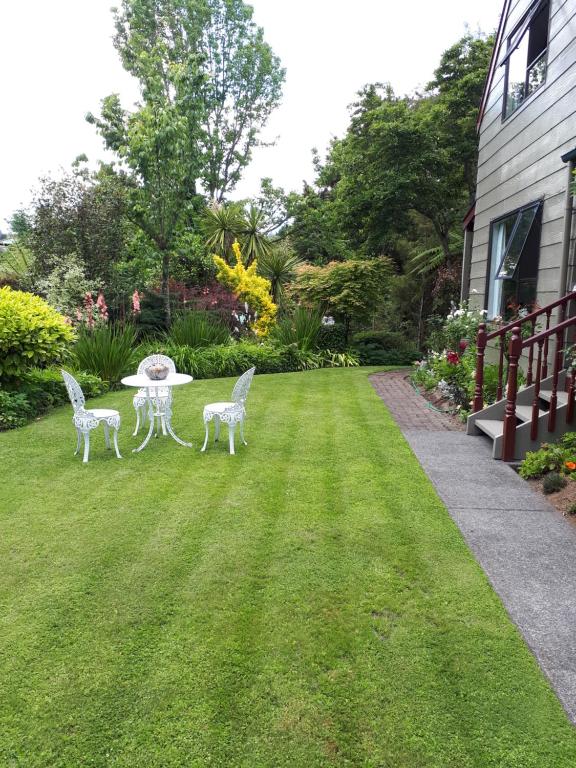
x=525 y=546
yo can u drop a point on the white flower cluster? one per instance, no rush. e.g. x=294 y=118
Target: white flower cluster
x=467 y=313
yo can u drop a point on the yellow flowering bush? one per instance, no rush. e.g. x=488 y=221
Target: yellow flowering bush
x=249 y=287
x=32 y=333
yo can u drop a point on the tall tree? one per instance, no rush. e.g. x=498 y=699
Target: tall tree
x=78 y=216
x=458 y=84
x=243 y=85
x=208 y=82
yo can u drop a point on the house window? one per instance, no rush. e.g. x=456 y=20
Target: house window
x=525 y=58
x=514 y=254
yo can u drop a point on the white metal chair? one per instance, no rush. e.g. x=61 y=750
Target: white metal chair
x=162 y=395
x=85 y=420
x=231 y=413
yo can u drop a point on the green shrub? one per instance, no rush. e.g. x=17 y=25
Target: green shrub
x=31 y=333
x=15 y=410
x=333 y=337
x=551 y=457
x=332 y=359
x=198 y=329
x=460 y=323
x=553 y=483
x=568 y=441
x=107 y=351
x=45 y=389
x=384 y=348
x=302 y=328
x=571 y=510
x=234 y=359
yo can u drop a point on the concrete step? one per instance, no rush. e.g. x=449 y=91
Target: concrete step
x=562 y=397
x=492 y=427
x=524 y=412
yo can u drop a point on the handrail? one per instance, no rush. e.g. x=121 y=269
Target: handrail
x=515 y=348
x=533 y=315
x=543 y=335
x=484 y=337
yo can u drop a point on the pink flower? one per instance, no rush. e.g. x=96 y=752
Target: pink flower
x=89 y=304
x=136 y=302
x=101 y=304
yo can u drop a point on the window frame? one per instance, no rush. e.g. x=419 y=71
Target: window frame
x=539 y=205
x=534 y=10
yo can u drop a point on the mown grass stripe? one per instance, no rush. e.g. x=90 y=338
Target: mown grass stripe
x=306 y=603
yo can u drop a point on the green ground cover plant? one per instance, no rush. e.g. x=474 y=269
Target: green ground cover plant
x=551 y=457
x=307 y=603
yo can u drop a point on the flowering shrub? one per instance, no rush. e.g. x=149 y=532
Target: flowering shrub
x=93 y=313
x=31 y=333
x=248 y=287
x=551 y=457
x=460 y=323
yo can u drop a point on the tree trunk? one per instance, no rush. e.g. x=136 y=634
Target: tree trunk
x=166 y=285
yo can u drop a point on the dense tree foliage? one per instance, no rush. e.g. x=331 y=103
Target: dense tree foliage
x=374 y=240
x=401 y=179
x=208 y=83
x=352 y=290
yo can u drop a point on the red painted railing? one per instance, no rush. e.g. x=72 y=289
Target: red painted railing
x=515 y=349
x=531 y=321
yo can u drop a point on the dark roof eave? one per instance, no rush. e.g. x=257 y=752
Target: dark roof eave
x=569 y=156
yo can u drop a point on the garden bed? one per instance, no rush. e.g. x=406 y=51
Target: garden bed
x=443 y=404
x=562 y=500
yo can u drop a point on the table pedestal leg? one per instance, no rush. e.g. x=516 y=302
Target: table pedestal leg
x=150 y=427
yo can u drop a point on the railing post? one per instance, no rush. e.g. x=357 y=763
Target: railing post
x=570 y=407
x=500 y=367
x=479 y=388
x=529 y=379
x=509 y=439
x=536 y=401
x=545 y=363
x=557 y=365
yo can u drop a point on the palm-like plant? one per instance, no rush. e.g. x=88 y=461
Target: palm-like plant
x=225 y=223
x=255 y=243
x=222 y=224
x=279 y=266
x=421 y=263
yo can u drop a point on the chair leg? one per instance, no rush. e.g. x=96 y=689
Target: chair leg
x=216 y=428
x=116 y=444
x=242 y=431
x=163 y=424
x=231 y=430
x=206 y=437
x=78 y=439
x=138 y=422
x=107 y=435
x=86 y=446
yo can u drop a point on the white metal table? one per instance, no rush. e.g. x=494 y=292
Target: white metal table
x=156 y=409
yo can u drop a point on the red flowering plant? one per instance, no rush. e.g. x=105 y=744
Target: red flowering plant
x=452 y=357
x=217 y=299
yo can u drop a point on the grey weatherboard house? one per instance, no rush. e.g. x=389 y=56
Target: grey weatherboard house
x=527 y=148
x=519 y=247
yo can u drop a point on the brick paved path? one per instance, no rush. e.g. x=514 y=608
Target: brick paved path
x=409 y=409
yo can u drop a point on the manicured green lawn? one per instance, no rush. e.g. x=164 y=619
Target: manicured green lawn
x=306 y=603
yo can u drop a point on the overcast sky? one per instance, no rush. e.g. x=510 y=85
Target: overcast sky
x=57 y=61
